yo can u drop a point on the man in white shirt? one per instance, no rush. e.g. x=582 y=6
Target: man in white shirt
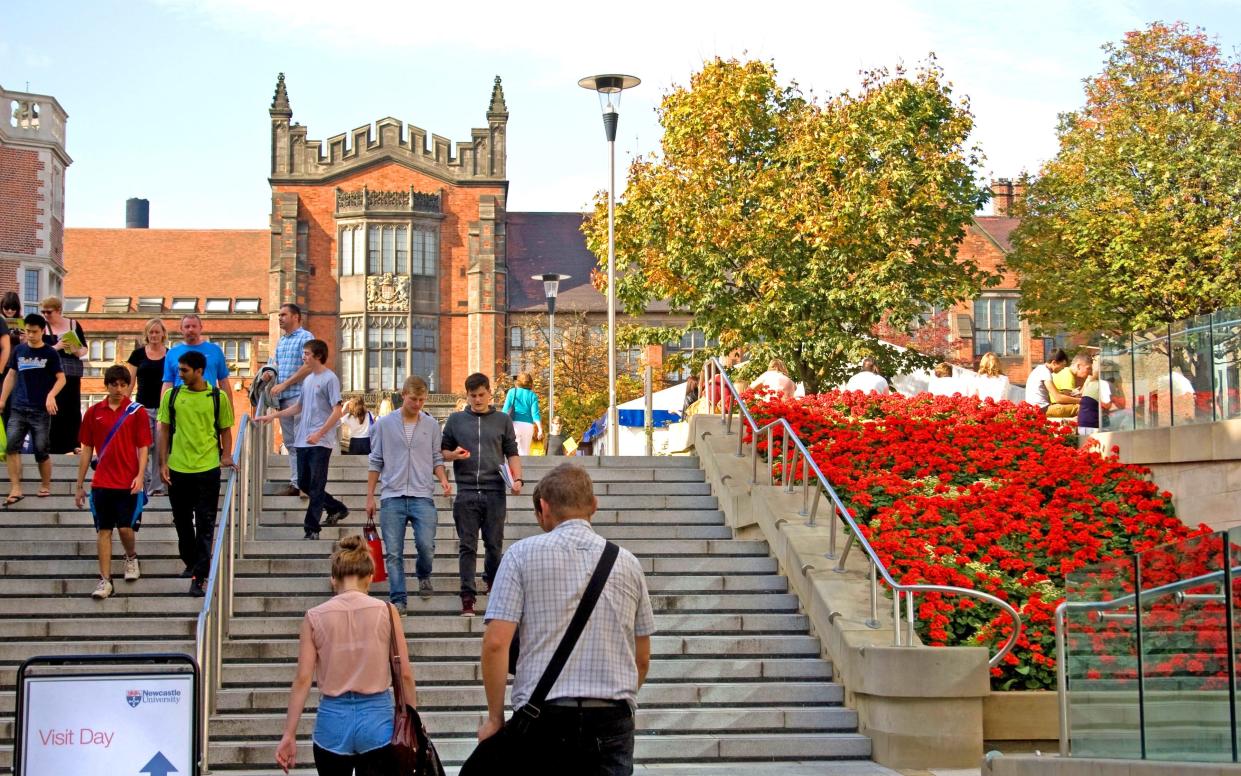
x=586 y=724
x=868 y=380
x=1041 y=390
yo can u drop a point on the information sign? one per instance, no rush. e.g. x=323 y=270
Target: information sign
x=120 y=724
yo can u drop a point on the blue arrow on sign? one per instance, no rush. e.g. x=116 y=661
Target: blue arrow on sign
x=159 y=766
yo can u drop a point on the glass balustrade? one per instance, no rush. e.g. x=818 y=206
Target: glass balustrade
x=1150 y=653
x=1188 y=372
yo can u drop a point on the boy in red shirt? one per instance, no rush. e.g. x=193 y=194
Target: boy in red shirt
x=119 y=430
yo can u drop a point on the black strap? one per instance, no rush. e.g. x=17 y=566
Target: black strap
x=578 y=624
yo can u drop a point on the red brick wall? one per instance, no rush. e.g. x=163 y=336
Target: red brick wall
x=317 y=204
x=21 y=204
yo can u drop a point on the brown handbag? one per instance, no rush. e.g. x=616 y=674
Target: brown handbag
x=411 y=748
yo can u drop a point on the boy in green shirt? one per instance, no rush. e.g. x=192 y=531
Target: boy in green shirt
x=195 y=440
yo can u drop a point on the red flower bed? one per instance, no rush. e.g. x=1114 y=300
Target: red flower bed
x=988 y=496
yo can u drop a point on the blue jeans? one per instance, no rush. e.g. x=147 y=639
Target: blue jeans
x=354 y=723
x=394 y=514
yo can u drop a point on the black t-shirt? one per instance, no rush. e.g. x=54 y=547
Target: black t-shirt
x=150 y=376
x=36 y=373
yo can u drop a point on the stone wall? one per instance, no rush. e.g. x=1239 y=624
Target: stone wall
x=1199 y=464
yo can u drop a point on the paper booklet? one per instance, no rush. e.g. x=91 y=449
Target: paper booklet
x=70 y=338
x=507 y=474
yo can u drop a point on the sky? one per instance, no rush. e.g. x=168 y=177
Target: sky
x=168 y=99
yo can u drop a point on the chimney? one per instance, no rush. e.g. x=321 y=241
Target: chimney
x=1004 y=192
x=137 y=213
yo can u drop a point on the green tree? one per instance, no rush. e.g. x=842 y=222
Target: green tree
x=581 y=371
x=1137 y=220
x=780 y=220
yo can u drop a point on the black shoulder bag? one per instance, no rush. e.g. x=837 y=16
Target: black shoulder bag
x=506 y=752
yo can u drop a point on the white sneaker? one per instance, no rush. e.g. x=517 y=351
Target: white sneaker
x=132 y=570
x=102 y=590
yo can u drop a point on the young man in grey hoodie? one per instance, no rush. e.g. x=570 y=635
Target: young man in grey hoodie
x=479 y=441
x=405 y=461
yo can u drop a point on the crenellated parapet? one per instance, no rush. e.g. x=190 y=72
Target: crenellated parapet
x=297 y=159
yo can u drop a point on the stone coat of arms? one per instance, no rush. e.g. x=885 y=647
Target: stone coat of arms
x=387 y=293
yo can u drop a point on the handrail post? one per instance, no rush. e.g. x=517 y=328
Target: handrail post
x=805 y=486
x=909 y=614
x=873 y=622
x=771 y=456
x=896 y=618
x=1062 y=680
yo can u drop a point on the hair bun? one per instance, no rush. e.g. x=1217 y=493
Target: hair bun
x=351 y=543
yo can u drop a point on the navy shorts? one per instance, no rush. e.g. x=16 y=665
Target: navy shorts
x=116 y=508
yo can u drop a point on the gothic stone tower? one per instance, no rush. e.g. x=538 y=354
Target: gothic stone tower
x=393 y=247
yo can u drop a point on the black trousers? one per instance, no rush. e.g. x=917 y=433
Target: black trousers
x=377 y=762
x=312 y=463
x=476 y=511
x=583 y=742
x=195 y=499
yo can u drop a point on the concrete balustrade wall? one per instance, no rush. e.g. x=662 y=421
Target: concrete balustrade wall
x=1199 y=464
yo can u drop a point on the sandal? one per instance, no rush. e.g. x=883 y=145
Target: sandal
x=11 y=500
x=43 y=493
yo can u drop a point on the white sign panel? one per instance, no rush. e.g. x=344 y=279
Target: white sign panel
x=119 y=725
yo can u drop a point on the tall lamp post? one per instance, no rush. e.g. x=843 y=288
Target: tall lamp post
x=609 y=87
x=551 y=285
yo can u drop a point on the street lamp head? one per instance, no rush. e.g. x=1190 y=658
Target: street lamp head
x=551 y=283
x=551 y=286
x=609 y=87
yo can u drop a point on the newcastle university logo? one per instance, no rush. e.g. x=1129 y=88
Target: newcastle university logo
x=134 y=697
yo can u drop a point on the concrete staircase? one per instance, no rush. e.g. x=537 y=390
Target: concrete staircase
x=736 y=680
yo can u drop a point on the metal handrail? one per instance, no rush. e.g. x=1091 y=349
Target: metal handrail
x=716 y=396
x=239 y=519
x=1104 y=608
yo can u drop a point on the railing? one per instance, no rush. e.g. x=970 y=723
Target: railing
x=1183 y=373
x=1146 y=652
x=723 y=394
x=243 y=498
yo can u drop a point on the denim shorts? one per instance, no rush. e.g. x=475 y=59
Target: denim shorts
x=354 y=723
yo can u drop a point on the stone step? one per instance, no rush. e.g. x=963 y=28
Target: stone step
x=450 y=647
x=445 y=531
x=321 y=548
x=160 y=513
x=729 y=768
x=662 y=748
x=735 y=719
x=272 y=567
x=590 y=463
x=445 y=582
x=296 y=605
x=57 y=628
x=745 y=670
x=63 y=502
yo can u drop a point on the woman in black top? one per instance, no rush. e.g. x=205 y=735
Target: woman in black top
x=68 y=418
x=146 y=369
x=10 y=310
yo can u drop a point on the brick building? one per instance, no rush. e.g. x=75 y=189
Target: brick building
x=400 y=248
x=33 y=161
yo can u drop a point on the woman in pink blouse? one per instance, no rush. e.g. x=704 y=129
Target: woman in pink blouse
x=345 y=648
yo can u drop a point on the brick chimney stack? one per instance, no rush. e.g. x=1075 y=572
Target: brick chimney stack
x=1003 y=194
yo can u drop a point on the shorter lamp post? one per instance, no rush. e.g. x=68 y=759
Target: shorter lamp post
x=551 y=286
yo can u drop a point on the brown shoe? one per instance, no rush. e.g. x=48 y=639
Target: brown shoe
x=287 y=490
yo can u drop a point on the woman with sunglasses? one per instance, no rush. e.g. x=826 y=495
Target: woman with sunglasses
x=68 y=418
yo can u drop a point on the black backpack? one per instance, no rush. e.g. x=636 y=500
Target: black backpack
x=172 y=416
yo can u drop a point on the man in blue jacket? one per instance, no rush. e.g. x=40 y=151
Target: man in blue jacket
x=405 y=460
x=482 y=446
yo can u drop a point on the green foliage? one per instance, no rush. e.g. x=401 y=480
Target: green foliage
x=581 y=371
x=777 y=219
x=1135 y=221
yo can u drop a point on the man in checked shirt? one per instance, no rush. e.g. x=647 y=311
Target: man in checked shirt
x=586 y=725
